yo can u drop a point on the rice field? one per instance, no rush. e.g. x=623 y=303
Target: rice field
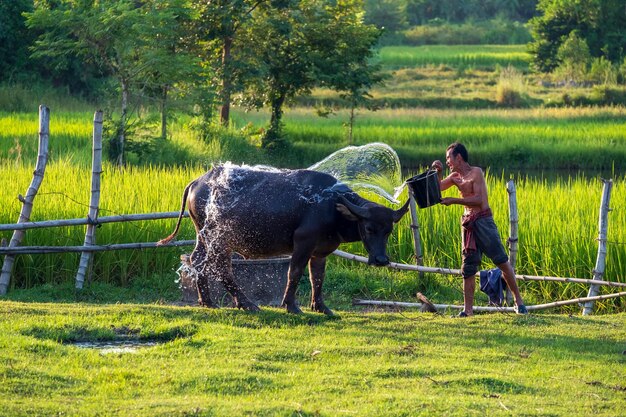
x=455 y=55
x=536 y=139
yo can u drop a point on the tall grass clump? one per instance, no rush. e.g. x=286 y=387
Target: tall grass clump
x=510 y=88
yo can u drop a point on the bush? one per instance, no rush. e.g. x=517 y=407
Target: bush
x=574 y=57
x=621 y=72
x=602 y=72
x=603 y=95
x=510 y=91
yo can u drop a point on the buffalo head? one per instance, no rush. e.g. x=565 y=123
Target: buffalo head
x=375 y=223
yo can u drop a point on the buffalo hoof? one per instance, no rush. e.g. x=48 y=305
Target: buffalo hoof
x=292 y=308
x=207 y=305
x=249 y=307
x=322 y=309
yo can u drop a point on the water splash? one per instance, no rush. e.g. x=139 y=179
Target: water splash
x=374 y=167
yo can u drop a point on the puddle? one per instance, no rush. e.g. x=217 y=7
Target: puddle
x=115 y=346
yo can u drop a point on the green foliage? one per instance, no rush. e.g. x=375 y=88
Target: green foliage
x=296 y=50
x=14 y=39
x=134 y=43
x=602 y=72
x=574 y=58
x=491 y=32
x=601 y=23
x=421 y=12
x=388 y=15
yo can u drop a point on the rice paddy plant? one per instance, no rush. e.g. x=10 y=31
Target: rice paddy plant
x=70 y=135
x=454 y=55
x=519 y=139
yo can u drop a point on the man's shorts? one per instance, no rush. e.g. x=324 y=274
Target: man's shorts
x=488 y=242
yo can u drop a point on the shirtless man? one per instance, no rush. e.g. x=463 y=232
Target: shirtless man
x=480 y=234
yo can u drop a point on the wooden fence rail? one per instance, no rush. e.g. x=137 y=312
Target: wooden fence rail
x=38 y=250
x=83 y=221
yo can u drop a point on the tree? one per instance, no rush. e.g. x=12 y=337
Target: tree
x=389 y=15
x=14 y=37
x=600 y=23
x=123 y=37
x=574 y=57
x=313 y=44
x=216 y=26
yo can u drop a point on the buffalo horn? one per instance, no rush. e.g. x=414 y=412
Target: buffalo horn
x=397 y=214
x=354 y=209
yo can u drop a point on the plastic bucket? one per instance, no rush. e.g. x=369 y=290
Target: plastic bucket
x=425 y=188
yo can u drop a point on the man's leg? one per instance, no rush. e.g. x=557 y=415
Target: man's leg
x=509 y=277
x=469 y=286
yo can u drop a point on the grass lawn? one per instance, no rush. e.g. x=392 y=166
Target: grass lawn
x=228 y=362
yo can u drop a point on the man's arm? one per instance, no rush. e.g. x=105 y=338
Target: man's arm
x=444 y=183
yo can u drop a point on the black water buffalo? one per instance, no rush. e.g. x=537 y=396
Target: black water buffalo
x=262 y=212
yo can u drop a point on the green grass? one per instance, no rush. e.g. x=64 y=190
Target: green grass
x=227 y=362
x=455 y=55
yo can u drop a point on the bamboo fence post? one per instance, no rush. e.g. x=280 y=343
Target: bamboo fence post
x=513 y=225
x=415 y=230
x=603 y=223
x=92 y=216
x=27 y=202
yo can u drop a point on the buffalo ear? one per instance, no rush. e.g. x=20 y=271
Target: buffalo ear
x=397 y=215
x=345 y=211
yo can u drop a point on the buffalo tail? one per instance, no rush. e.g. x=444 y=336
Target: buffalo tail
x=168 y=239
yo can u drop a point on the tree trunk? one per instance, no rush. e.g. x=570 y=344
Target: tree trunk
x=226 y=81
x=273 y=133
x=122 y=127
x=164 y=112
x=351 y=122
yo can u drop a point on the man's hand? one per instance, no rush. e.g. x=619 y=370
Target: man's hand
x=437 y=166
x=446 y=201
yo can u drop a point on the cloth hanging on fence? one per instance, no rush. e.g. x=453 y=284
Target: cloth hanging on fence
x=493 y=284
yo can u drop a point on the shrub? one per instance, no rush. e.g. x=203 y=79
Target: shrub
x=574 y=57
x=602 y=72
x=621 y=72
x=603 y=95
x=510 y=88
